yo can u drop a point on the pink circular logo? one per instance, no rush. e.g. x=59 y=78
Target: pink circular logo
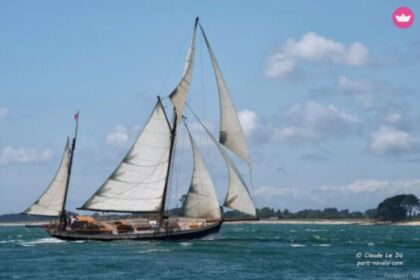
x=403 y=17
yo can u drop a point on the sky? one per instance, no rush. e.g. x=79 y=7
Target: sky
x=327 y=93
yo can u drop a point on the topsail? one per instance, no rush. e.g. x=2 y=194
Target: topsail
x=50 y=203
x=231 y=132
x=180 y=93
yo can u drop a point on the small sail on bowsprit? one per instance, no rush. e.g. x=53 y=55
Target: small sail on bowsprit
x=180 y=93
x=201 y=201
x=231 y=132
x=137 y=184
x=51 y=202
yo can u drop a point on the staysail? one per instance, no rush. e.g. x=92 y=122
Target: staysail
x=238 y=196
x=180 y=93
x=231 y=132
x=137 y=184
x=201 y=201
x=50 y=203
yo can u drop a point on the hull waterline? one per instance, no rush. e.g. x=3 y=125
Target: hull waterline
x=161 y=234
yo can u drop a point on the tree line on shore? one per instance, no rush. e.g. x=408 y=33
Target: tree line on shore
x=397 y=208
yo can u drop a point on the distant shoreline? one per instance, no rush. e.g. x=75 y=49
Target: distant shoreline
x=324 y=222
x=267 y=222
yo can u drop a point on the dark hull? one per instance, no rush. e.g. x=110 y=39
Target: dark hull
x=155 y=235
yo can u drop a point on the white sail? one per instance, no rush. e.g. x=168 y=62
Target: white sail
x=180 y=93
x=237 y=197
x=137 y=184
x=201 y=201
x=50 y=203
x=231 y=132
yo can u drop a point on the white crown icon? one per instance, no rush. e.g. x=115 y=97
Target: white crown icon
x=403 y=18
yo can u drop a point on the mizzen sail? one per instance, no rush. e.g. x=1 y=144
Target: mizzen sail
x=180 y=93
x=201 y=201
x=51 y=202
x=231 y=133
x=137 y=184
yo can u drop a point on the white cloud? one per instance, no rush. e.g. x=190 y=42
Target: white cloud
x=310 y=121
x=4 y=112
x=118 y=137
x=248 y=120
x=313 y=120
x=11 y=155
x=273 y=191
x=365 y=91
x=391 y=141
x=393 y=118
x=315 y=48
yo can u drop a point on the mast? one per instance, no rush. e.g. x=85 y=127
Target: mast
x=62 y=221
x=171 y=151
x=178 y=98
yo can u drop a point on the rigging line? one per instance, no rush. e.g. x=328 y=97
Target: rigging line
x=171 y=173
x=203 y=95
x=182 y=159
x=206 y=141
x=177 y=167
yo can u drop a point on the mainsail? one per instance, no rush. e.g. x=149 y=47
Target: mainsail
x=231 y=132
x=238 y=196
x=201 y=201
x=138 y=183
x=50 y=203
x=180 y=93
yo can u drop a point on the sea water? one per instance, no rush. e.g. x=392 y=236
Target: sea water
x=273 y=251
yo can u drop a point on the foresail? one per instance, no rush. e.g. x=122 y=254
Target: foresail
x=180 y=93
x=201 y=201
x=137 y=184
x=50 y=203
x=237 y=197
x=231 y=132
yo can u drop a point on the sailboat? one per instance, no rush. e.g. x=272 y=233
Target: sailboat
x=139 y=184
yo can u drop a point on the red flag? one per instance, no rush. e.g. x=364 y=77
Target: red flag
x=76 y=116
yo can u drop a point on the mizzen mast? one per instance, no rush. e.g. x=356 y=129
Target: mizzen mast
x=62 y=221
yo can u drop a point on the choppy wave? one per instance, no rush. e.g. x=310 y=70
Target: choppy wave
x=153 y=251
x=317 y=237
x=297 y=245
x=8 y=241
x=47 y=240
x=28 y=253
x=315 y=230
x=322 y=245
